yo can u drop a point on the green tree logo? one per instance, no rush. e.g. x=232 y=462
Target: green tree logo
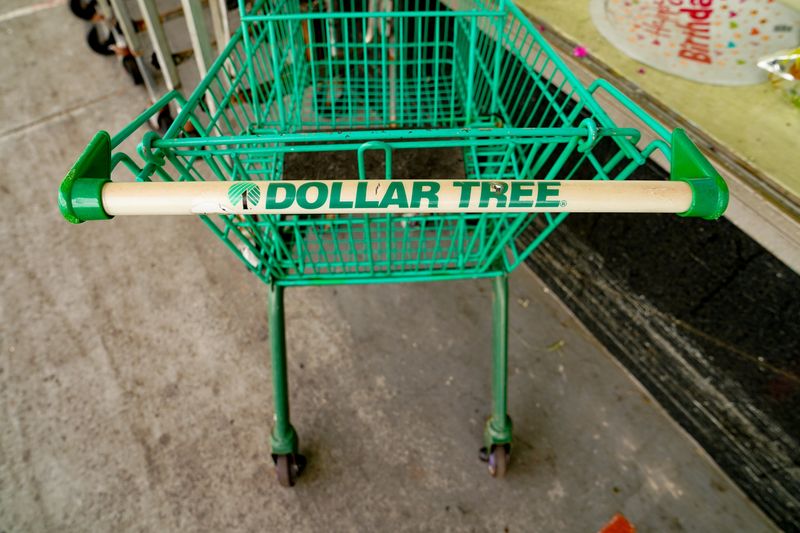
x=244 y=193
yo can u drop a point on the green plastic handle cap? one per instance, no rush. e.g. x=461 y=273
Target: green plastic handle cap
x=709 y=191
x=80 y=194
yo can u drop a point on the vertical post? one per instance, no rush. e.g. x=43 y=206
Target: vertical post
x=220 y=24
x=473 y=35
x=498 y=429
x=500 y=348
x=161 y=46
x=277 y=82
x=201 y=45
x=283 y=438
x=249 y=56
x=500 y=24
x=119 y=9
x=198 y=34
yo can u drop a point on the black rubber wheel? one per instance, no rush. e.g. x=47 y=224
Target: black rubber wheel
x=483 y=454
x=83 y=9
x=288 y=467
x=165 y=120
x=498 y=461
x=284 y=469
x=130 y=66
x=98 y=44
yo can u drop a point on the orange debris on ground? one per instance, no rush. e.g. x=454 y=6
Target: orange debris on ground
x=618 y=524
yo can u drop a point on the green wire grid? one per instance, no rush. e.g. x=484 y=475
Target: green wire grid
x=359 y=77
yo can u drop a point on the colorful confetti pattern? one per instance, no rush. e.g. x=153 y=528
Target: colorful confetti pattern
x=710 y=41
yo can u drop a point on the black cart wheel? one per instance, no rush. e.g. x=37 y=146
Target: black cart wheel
x=132 y=68
x=162 y=121
x=83 y=9
x=165 y=120
x=498 y=461
x=288 y=468
x=98 y=44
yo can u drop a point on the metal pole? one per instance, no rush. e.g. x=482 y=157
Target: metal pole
x=499 y=425
x=219 y=23
x=283 y=438
x=201 y=44
x=160 y=43
x=123 y=18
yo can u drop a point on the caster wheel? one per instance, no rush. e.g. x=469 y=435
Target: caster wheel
x=497 y=459
x=100 y=45
x=288 y=468
x=165 y=120
x=162 y=121
x=130 y=66
x=83 y=9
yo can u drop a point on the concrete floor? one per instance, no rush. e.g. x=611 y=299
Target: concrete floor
x=134 y=379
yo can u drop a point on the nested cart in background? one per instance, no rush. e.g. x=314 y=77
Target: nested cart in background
x=137 y=33
x=388 y=78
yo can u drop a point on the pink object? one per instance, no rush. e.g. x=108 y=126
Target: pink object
x=580 y=51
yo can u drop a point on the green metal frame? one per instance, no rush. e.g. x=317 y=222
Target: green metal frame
x=498 y=427
x=473 y=76
x=283 y=438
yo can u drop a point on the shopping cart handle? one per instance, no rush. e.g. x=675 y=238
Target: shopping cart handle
x=80 y=194
x=709 y=191
x=88 y=194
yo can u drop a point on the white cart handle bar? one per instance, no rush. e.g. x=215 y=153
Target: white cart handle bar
x=393 y=196
x=88 y=194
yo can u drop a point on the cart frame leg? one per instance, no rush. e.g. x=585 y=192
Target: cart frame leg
x=498 y=428
x=283 y=438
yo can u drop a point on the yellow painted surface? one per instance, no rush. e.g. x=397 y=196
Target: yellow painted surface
x=754 y=121
x=792 y=3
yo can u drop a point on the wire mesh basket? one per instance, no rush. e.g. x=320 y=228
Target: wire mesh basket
x=389 y=77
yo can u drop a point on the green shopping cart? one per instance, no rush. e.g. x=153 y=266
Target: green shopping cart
x=381 y=78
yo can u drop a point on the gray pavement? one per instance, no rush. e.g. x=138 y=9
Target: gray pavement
x=134 y=379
